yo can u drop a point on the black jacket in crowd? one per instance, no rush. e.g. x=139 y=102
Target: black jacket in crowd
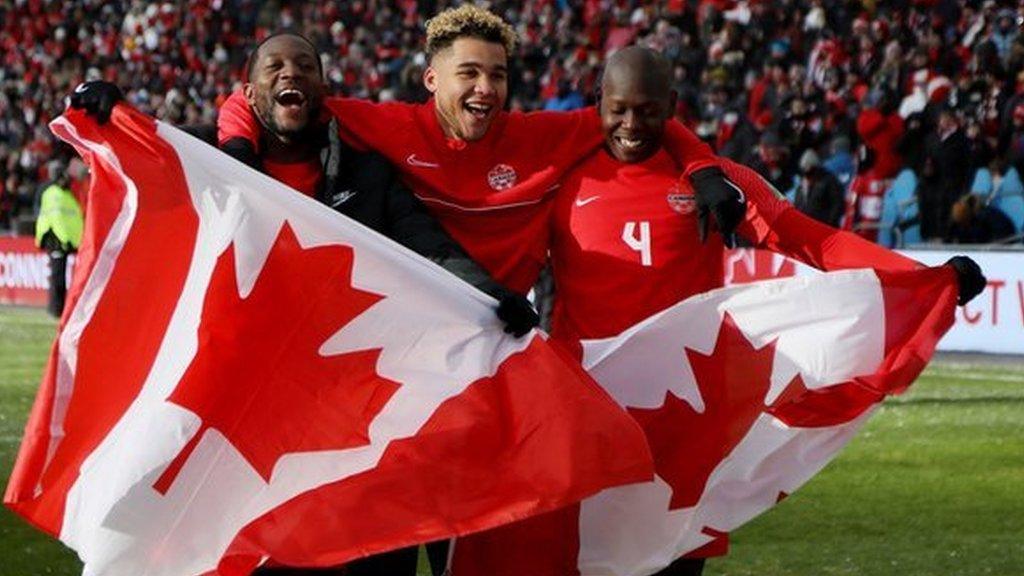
x=946 y=177
x=820 y=195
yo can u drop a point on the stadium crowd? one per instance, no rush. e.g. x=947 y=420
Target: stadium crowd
x=834 y=102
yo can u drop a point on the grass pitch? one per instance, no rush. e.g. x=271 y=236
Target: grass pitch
x=934 y=484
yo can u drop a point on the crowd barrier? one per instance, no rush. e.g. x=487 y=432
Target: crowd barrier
x=24 y=272
x=993 y=322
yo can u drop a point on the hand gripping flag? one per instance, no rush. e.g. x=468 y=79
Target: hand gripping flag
x=744 y=394
x=243 y=374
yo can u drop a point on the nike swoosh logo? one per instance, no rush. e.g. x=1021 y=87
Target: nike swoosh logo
x=581 y=202
x=413 y=161
x=342 y=197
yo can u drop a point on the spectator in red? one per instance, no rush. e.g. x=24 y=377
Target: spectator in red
x=768 y=93
x=880 y=129
x=864 y=199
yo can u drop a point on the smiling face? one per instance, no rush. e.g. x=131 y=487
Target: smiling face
x=469 y=81
x=285 y=86
x=634 y=108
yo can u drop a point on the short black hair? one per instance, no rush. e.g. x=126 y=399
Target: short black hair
x=250 y=63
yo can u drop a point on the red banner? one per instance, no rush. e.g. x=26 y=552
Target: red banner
x=24 y=272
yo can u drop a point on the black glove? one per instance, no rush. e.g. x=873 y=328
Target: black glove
x=969 y=277
x=722 y=199
x=97 y=97
x=517 y=313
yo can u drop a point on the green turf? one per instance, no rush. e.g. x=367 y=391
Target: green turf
x=25 y=338
x=934 y=485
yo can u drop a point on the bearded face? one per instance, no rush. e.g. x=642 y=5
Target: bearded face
x=285 y=87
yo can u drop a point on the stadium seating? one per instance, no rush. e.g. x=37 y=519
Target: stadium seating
x=1007 y=196
x=899 y=225
x=1013 y=206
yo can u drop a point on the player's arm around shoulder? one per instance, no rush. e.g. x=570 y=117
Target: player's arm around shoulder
x=572 y=134
x=364 y=124
x=690 y=152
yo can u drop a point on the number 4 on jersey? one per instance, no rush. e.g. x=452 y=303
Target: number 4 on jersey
x=641 y=243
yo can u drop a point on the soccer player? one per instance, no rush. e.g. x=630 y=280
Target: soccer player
x=286 y=89
x=624 y=224
x=625 y=245
x=485 y=173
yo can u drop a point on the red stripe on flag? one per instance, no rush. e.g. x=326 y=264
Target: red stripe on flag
x=121 y=340
x=919 y=310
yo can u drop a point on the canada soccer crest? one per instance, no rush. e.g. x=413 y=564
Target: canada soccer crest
x=680 y=201
x=502 y=177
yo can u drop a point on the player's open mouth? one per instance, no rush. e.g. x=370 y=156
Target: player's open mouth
x=290 y=98
x=478 y=111
x=630 y=144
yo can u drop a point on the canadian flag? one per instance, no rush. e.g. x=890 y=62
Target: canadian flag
x=744 y=394
x=243 y=374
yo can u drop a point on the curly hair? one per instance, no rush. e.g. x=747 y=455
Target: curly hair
x=470 y=21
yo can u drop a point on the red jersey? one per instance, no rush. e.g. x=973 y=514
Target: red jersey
x=302 y=176
x=864 y=205
x=492 y=195
x=625 y=243
x=881 y=133
x=618 y=246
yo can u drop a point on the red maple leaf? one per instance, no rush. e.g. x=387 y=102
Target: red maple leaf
x=733 y=382
x=258 y=376
x=687 y=445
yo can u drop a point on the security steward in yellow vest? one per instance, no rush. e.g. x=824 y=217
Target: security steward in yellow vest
x=59 y=232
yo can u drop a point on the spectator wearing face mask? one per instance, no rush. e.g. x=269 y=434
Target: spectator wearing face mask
x=880 y=128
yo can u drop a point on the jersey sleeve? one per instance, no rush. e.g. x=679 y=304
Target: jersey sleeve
x=235 y=120
x=562 y=138
x=359 y=122
x=773 y=223
x=367 y=125
x=689 y=152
